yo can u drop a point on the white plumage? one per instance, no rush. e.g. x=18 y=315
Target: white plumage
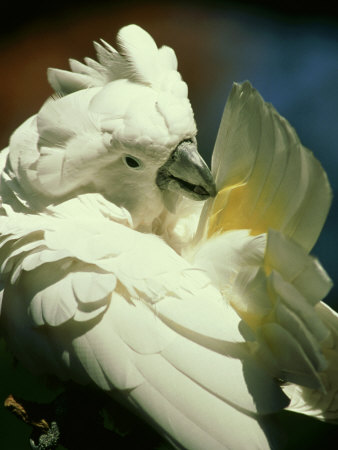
x=104 y=282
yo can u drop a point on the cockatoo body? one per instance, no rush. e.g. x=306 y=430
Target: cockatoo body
x=207 y=338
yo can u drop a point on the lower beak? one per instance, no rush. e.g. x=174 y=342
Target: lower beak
x=186 y=173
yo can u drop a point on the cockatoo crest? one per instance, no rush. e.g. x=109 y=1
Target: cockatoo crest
x=140 y=71
x=139 y=60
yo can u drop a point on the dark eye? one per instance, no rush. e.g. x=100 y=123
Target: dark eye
x=132 y=162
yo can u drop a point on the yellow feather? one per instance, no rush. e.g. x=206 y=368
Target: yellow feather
x=265 y=178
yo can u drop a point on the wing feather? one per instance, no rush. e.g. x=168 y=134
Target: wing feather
x=253 y=241
x=111 y=316
x=196 y=404
x=264 y=176
x=315 y=402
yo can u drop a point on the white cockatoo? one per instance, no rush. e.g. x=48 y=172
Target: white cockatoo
x=203 y=322
x=127 y=120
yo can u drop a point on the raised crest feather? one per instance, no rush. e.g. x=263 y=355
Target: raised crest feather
x=138 y=60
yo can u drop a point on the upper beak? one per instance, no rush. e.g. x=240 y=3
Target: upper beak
x=187 y=173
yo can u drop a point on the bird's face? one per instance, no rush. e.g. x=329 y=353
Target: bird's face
x=147 y=180
x=151 y=138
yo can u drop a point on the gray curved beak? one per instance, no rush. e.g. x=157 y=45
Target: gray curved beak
x=186 y=173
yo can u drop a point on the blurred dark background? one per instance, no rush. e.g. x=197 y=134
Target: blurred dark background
x=288 y=50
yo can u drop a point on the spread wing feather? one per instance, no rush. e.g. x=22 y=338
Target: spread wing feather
x=264 y=176
x=311 y=401
x=273 y=197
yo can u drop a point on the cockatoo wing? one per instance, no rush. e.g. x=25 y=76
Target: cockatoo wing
x=87 y=297
x=273 y=198
x=138 y=59
x=264 y=176
x=311 y=401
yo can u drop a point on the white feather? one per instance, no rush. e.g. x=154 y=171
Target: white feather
x=276 y=194
x=138 y=60
x=129 y=341
x=195 y=342
x=78 y=143
x=266 y=178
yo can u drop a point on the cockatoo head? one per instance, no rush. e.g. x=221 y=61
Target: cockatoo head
x=151 y=136
x=123 y=127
